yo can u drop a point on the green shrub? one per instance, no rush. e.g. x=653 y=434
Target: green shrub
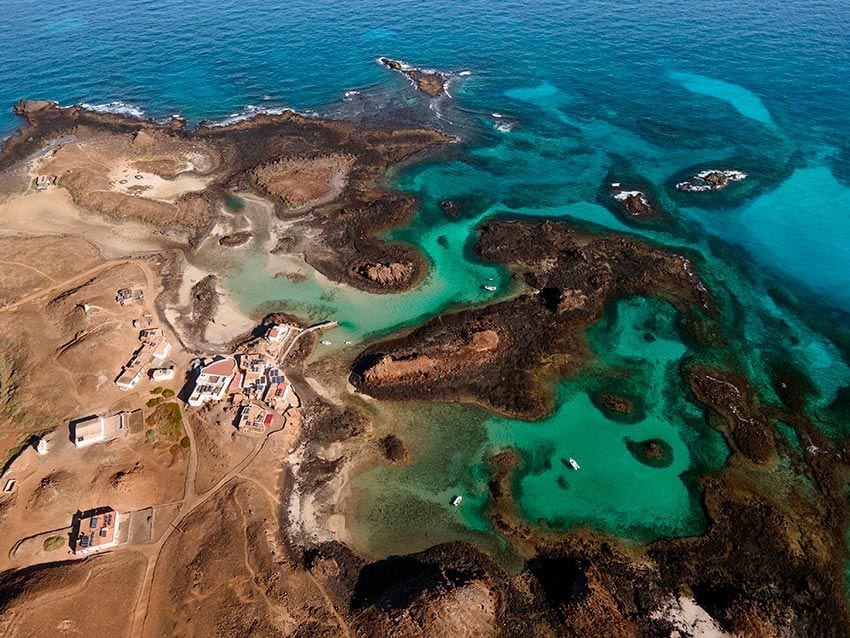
x=167 y=421
x=152 y=403
x=167 y=393
x=53 y=543
x=185 y=441
x=156 y=390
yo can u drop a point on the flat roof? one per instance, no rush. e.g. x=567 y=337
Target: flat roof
x=97 y=529
x=89 y=429
x=127 y=375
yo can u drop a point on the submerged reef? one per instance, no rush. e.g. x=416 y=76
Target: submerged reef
x=651 y=452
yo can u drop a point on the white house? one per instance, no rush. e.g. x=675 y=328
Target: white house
x=277 y=333
x=213 y=381
x=97 y=429
x=96 y=530
x=128 y=378
x=162 y=374
x=89 y=431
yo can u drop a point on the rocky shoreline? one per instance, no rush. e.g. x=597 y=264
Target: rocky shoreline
x=288 y=150
x=634 y=202
x=508 y=356
x=772 y=558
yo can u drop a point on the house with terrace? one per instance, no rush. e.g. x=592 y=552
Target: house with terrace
x=213 y=381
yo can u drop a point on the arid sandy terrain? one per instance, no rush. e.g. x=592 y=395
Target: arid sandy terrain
x=112 y=226
x=128 y=205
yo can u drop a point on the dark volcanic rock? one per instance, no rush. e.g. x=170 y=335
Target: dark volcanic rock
x=204 y=298
x=506 y=356
x=393 y=449
x=388 y=275
x=651 y=452
x=730 y=396
x=710 y=180
x=451 y=209
x=235 y=239
x=613 y=403
x=637 y=205
x=432 y=83
x=634 y=203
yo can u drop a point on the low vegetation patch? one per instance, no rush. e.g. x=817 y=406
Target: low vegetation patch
x=166 y=421
x=167 y=393
x=53 y=543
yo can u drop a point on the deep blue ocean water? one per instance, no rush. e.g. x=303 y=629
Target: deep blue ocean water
x=592 y=92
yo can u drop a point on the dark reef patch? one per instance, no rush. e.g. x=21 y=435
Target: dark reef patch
x=393 y=449
x=652 y=452
x=763 y=174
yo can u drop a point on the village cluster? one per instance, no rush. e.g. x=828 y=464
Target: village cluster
x=246 y=389
x=250 y=380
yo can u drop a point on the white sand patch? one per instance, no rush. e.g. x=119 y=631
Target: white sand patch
x=229 y=321
x=689 y=618
x=130 y=181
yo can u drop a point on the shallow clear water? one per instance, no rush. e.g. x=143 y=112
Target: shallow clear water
x=589 y=93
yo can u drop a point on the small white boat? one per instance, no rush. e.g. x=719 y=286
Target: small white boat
x=325 y=342
x=490 y=288
x=574 y=464
x=457 y=500
x=348 y=342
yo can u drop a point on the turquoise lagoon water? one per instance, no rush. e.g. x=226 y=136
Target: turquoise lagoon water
x=588 y=93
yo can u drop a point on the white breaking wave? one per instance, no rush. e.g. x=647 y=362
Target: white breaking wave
x=698 y=183
x=252 y=111
x=622 y=196
x=117 y=107
x=733 y=176
x=406 y=69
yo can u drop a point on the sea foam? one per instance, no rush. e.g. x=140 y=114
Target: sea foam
x=117 y=107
